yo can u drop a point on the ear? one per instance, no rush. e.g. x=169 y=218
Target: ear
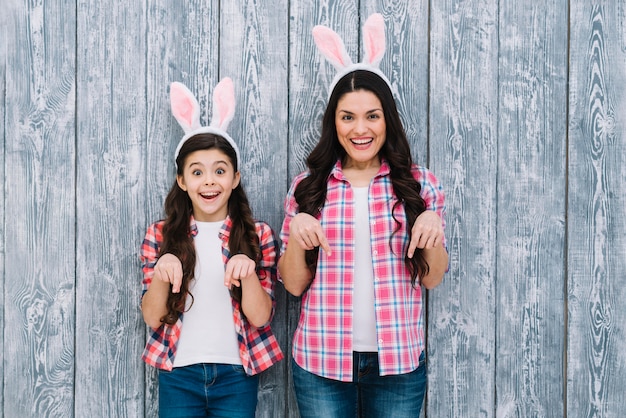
x=185 y=107
x=331 y=47
x=374 y=39
x=237 y=180
x=181 y=182
x=223 y=104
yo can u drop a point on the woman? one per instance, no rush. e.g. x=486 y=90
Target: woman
x=359 y=346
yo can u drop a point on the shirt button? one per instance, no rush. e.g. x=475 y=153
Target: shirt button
x=380 y=341
x=375 y=252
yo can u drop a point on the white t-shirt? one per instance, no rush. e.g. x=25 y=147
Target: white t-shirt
x=364 y=320
x=208 y=333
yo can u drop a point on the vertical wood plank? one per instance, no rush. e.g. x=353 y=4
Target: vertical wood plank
x=182 y=45
x=111 y=131
x=39 y=212
x=253 y=51
x=531 y=209
x=596 y=239
x=463 y=150
x=7 y=35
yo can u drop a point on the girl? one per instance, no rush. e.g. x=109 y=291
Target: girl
x=210 y=267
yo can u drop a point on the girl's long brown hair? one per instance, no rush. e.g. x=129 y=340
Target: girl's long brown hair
x=177 y=238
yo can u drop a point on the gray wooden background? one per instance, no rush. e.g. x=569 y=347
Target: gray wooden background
x=518 y=106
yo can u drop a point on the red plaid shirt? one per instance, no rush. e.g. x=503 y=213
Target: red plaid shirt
x=258 y=347
x=322 y=343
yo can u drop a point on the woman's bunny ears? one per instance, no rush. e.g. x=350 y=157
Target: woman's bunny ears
x=186 y=110
x=330 y=44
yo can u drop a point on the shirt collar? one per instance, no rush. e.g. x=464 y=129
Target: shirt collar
x=224 y=230
x=337 y=171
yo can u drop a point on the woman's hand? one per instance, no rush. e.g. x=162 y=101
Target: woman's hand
x=169 y=269
x=427 y=232
x=239 y=267
x=307 y=232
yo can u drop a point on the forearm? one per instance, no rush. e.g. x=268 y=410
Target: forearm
x=154 y=303
x=293 y=270
x=437 y=259
x=256 y=303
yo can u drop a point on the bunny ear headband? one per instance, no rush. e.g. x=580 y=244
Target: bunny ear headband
x=332 y=47
x=186 y=110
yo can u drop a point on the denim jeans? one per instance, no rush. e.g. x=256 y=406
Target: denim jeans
x=207 y=390
x=367 y=396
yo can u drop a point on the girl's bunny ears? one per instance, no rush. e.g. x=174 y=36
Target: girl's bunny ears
x=186 y=110
x=330 y=44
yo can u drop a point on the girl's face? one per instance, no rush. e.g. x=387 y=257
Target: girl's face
x=361 y=128
x=209 y=178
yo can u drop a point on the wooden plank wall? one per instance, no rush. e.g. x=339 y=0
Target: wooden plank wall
x=516 y=106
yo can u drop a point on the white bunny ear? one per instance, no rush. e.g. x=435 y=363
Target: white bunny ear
x=185 y=107
x=374 y=39
x=223 y=104
x=331 y=46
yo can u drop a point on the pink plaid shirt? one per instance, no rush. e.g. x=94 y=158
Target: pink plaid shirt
x=258 y=348
x=322 y=343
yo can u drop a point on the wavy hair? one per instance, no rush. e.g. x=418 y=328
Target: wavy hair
x=177 y=238
x=310 y=193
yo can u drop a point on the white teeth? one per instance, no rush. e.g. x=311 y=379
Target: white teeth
x=209 y=195
x=361 y=141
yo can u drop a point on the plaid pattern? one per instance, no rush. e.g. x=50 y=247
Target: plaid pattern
x=322 y=343
x=258 y=347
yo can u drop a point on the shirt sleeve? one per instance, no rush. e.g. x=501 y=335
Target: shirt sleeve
x=267 y=270
x=149 y=254
x=291 y=210
x=433 y=194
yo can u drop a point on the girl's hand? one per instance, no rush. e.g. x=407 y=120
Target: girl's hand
x=239 y=267
x=307 y=232
x=427 y=232
x=169 y=269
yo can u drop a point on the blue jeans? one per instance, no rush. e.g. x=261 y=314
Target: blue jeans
x=367 y=396
x=207 y=390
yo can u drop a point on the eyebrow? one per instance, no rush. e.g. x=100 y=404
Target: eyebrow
x=218 y=162
x=368 y=111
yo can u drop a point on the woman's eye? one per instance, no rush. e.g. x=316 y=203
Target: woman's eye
x=346 y=117
x=374 y=116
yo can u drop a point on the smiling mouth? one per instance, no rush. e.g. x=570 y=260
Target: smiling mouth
x=209 y=196
x=362 y=141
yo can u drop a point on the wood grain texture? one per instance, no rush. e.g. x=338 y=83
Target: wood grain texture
x=39 y=233
x=182 y=45
x=463 y=154
x=596 y=241
x=5 y=32
x=531 y=210
x=253 y=51
x=110 y=201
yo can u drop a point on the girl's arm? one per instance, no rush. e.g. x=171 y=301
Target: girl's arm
x=257 y=290
x=167 y=272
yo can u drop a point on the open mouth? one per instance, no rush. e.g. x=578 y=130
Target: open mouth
x=359 y=142
x=209 y=196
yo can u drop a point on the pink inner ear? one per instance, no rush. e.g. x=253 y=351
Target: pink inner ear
x=331 y=46
x=374 y=39
x=185 y=110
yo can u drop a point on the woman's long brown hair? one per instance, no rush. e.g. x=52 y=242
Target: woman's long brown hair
x=311 y=191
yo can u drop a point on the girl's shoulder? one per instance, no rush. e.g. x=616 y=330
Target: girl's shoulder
x=264 y=231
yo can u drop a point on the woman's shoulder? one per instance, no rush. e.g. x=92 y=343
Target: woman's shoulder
x=424 y=175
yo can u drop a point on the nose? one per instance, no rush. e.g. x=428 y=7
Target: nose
x=360 y=126
x=208 y=179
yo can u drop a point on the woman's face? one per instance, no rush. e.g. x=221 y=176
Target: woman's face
x=209 y=178
x=361 y=128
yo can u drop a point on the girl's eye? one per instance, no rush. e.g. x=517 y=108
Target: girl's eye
x=196 y=172
x=220 y=171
